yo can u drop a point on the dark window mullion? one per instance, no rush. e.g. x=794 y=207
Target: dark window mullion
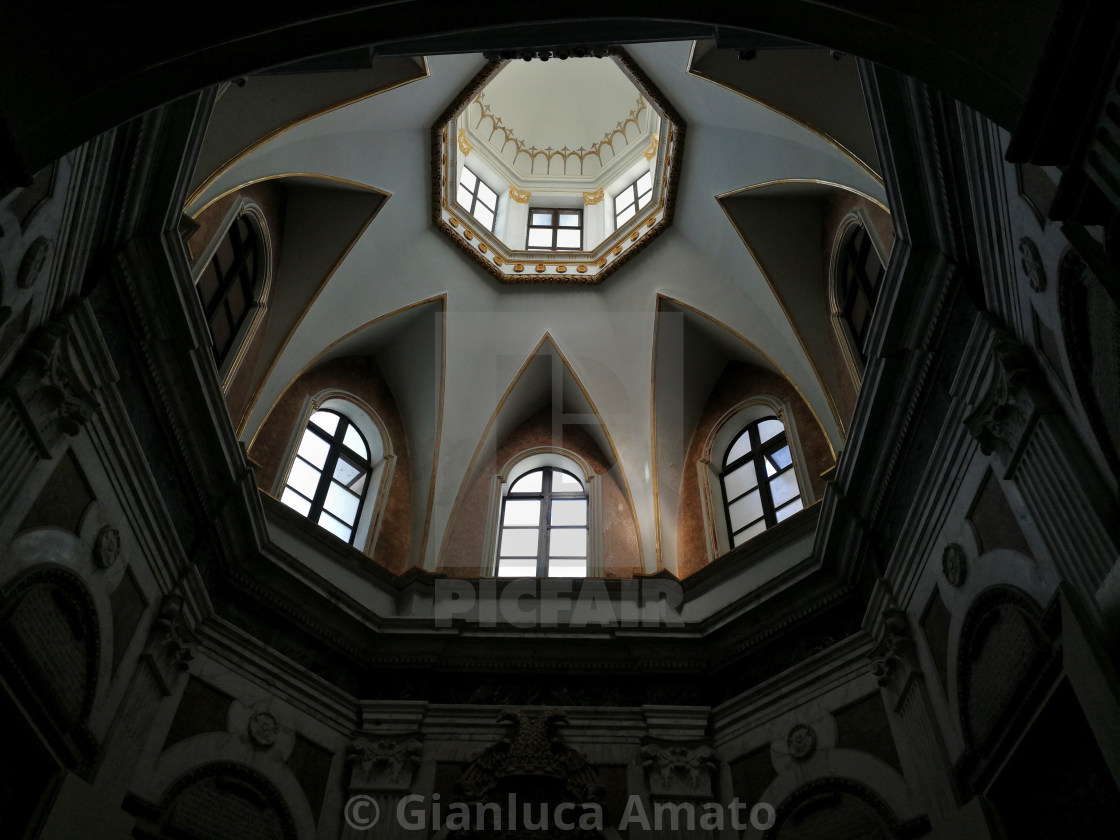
x=545 y=523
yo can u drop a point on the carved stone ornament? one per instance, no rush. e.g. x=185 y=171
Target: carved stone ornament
x=895 y=648
x=534 y=749
x=676 y=770
x=1005 y=414
x=384 y=764
x=263 y=729
x=170 y=648
x=1031 y=261
x=954 y=564
x=107 y=547
x=34 y=260
x=44 y=380
x=801 y=742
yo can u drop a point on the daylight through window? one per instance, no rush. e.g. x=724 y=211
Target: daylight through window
x=632 y=199
x=477 y=198
x=330 y=473
x=555 y=229
x=544 y=526
x=758 y=480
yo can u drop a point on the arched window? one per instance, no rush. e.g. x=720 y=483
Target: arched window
x=229 y=286
x=758 y=480
x=543 y=532
x=856 y=279
x=330 y=475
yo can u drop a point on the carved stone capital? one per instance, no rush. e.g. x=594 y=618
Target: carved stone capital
x=894 y=657
x=46 y=386
x=1002 y=418
x=170 y=644
x=382 y=764
x=676 y=770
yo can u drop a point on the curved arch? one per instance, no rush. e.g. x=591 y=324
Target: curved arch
x=264 y=264
x=473 y=466
x=725 y=432
x=47 y=614
x=840 y=322
x=268 y=136
x=829 y=791
x=1015 y=668
x=372 y=477
x=263 y=783
x=106 y=83
x=525 y=462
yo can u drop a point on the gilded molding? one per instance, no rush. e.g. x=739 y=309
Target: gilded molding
x=651 y=151
x=590 y=198
x=464 y=144
x=520 y=196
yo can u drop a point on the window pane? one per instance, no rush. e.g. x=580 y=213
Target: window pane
x=359 y=486
x=566 y=482
x=567 y=238
x=739 y=481
x=645 y=183
x=569 y=219
x=295 y=501
x=569 y=512
x=567 y=567
x=353 y=439
x=746 y=510
x=768 y=429
x=782 y=457
x=468 y=179
x=463 y=196
x=487 y=196
x=304 y=477
x=625 y=216
x=484 y=216
x=790 y=509
x=325 y=420
x=740 y=448
x=522 y=512
x=784 y=487
x=542 y=219
x=540 y=238
x=752 y=531
x=519 y=542
x=342 y=503
x=314 y=449
x=339 y=529
x=517 y=567
x=528 y=483
x=344 y=471
x=567 y=542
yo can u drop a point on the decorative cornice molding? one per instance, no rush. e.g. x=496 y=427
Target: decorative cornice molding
x=520 y=196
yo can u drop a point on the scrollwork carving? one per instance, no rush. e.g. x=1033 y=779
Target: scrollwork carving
x=1005 y=413
x=383 y=764
x=1031 y=261
x=677 y=770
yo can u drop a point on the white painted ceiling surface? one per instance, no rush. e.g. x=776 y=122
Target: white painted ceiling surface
x=606 y=332
x=561 y=104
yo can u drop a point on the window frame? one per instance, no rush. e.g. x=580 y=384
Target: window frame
x=370 y=426
x=526 y=462
x=256 y=305
x=476 y=199
x=759 y=454
x=547 y=495
x=636 y=200
x=843 y=295
x=555 y=226
x=710 y=464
